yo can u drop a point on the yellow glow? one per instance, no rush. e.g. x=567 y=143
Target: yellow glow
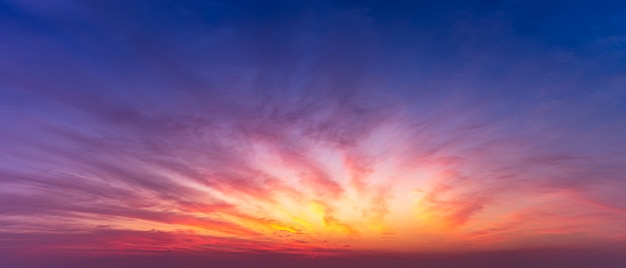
x=283 y=228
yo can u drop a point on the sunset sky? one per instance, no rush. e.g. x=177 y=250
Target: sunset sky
x=308 y=130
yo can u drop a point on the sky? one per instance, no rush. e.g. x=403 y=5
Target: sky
x=312 y=133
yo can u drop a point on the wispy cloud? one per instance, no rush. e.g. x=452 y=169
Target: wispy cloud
x=327 y=131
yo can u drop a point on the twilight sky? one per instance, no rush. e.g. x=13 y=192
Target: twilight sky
x=312 y=129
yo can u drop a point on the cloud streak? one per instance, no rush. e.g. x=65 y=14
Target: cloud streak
x=314 y=134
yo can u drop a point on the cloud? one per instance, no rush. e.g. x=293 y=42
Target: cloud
x=308 y=134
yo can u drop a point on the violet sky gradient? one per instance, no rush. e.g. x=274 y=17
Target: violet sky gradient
x=312 y=133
